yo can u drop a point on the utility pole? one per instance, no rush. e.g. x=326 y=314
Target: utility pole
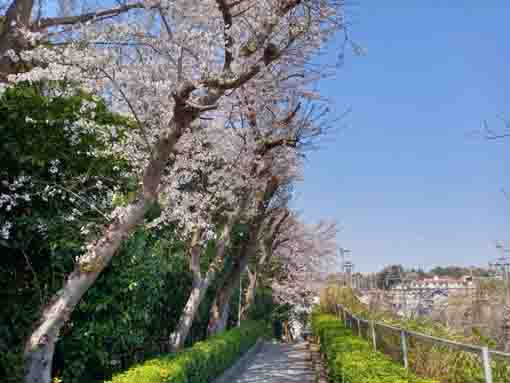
x=503 y=264
x=240 y=299
x=346 y=267
x=405 y=290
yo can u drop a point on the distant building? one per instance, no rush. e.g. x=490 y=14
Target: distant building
x=426 y=295
x=444 y=283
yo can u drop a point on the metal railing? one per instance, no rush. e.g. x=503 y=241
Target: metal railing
x=356 y=324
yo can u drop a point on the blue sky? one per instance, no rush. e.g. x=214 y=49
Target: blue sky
x=405 y=178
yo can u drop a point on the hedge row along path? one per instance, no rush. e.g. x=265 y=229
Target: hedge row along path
x=278 y=363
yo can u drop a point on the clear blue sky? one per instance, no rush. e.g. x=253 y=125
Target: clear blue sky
x=405 y=179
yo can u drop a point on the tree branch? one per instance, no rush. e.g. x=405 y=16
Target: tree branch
x=83 y=18
x=229 y=41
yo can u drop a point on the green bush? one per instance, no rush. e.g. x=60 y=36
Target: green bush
x=350 y=359
x=48 y=210
x=198 y=364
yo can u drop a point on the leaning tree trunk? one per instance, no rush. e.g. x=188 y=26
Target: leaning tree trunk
x=200 y=285
x=250 y=293
x=197 y=293
x=178 y=337
x=40 y=346
x=220 y=308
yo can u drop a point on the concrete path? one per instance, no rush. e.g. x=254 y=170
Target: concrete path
x=278 y=363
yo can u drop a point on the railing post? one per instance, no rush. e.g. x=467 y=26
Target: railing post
x=359 y=327
x=403 y=343
x=486 y=359
x=374 y=339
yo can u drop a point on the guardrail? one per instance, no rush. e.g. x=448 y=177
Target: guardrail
x=354 y=322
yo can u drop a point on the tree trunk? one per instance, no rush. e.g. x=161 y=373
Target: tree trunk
x=220 y=311
x=198 y=289
x=17 y=17
x=178 y=337
x=200 y=285
x=250 y=293
x=220 y=308
x=40 y=346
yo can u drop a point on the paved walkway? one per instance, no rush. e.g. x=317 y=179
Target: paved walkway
x=278 y=363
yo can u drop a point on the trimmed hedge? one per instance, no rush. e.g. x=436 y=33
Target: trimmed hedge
x=351 y=359
x=199 y=364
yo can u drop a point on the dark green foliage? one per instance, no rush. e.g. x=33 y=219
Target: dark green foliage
x=42 y=244
x=128 y=314
x=263 y=307
x=459 y=271
x=389 y=276
x=198 y=364
x=350 y=359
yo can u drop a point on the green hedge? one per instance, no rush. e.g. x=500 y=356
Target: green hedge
x=198 y=364
x=351 y=359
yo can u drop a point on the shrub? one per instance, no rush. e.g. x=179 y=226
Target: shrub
x=49 y=180
x=351 y=359
x=198 y=364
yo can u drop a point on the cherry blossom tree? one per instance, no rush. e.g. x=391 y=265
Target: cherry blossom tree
x=169 y=66
x=296 y=131
x=303 y=252
x=265 y=156
x=288 y=253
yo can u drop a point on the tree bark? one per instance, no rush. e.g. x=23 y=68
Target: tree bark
x=250 y=293
x=273 y=227
x=178 y=337
x=200 y=285
x=198 y=289
x=220 y=308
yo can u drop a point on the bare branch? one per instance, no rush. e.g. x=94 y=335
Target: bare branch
x=227 y=24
